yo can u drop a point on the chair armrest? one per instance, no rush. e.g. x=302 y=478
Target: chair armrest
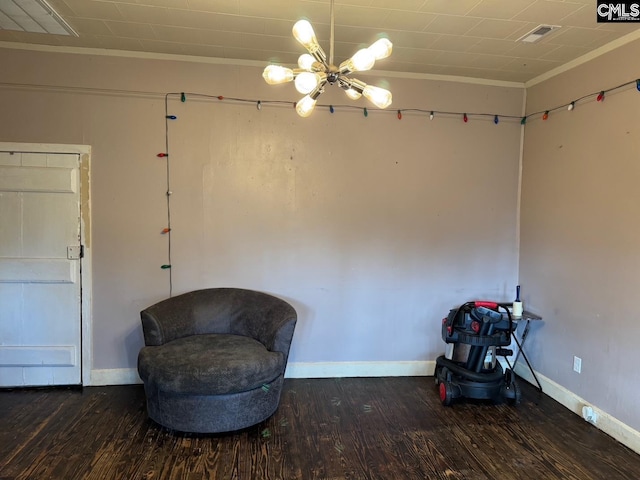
x=271 y=323
x=152 y=329
x=169 y=319
x=261 y=316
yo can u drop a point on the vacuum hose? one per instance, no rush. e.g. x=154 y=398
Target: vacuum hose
x=471 y=375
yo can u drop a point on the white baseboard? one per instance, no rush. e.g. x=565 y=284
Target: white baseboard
x=605 y=422
x=359 y=369
x=114 y=376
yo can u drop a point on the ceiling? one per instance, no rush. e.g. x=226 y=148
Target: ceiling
x=470 y=38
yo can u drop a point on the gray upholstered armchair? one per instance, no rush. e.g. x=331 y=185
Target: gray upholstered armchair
x=214 y=359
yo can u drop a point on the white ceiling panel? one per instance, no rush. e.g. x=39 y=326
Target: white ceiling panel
x=464 y=37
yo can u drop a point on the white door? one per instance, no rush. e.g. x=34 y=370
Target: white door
x=40 y=302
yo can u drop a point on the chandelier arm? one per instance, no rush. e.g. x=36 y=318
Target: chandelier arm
x=319 y=90
x=319 y=55
x=347 y=83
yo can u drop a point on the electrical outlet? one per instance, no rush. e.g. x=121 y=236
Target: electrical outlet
x=589 y=414
x=577 y=364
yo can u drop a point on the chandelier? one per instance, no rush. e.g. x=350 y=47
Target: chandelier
x=316 y=71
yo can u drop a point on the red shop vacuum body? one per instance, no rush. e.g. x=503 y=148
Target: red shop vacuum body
x=476 y=333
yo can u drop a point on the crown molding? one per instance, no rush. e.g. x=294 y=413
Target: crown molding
x=244 y=63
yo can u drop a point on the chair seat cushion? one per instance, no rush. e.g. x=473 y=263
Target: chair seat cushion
x=211 y=364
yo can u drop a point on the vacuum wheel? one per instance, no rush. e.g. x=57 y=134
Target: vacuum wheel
x=515 y=395
x=446 y=393
x=441 y=372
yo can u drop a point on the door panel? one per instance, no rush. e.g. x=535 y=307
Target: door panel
x=40 y=303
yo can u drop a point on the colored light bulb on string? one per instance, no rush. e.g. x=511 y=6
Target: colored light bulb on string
x=431 y=115
x=638 y=84
x=171 y=117
x=465 y=118
x=600 y=97
x=165 y=267
x=259 y=105
x=183 y=97
x=365 y=112
x=496 y=119
x=162 y=154
x=399 y=114
x=523 y=121
x=220 y=97
x=331 y=110
x=545 y=115
x=165 y=230
x=571 y=106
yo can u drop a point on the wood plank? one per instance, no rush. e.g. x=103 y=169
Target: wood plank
x=339 y=429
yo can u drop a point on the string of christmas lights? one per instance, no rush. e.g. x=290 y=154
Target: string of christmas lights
x=167 y=230
x=599 y=96
x=334 y=108
x=465 y=116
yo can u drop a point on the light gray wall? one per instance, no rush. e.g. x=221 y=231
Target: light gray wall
x=580 y=232
x=371 y=227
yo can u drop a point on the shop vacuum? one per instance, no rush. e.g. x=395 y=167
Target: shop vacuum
x=476 y=333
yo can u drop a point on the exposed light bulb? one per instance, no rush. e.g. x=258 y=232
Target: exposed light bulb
x=305 y=106
x=353 y=94
x=362 y=60
x=571 y=106
x=381 y=48
x=303 y=31
x=380 y=97
x=306 y=81
x=306 y=61
x=275 y=74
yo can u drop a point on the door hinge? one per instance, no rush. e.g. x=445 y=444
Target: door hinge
x=75 y=252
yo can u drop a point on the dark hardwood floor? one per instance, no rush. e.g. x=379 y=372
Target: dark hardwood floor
x=349 y=428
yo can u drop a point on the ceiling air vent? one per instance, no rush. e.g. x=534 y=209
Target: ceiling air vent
x=32 y=16
x=537 y=33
